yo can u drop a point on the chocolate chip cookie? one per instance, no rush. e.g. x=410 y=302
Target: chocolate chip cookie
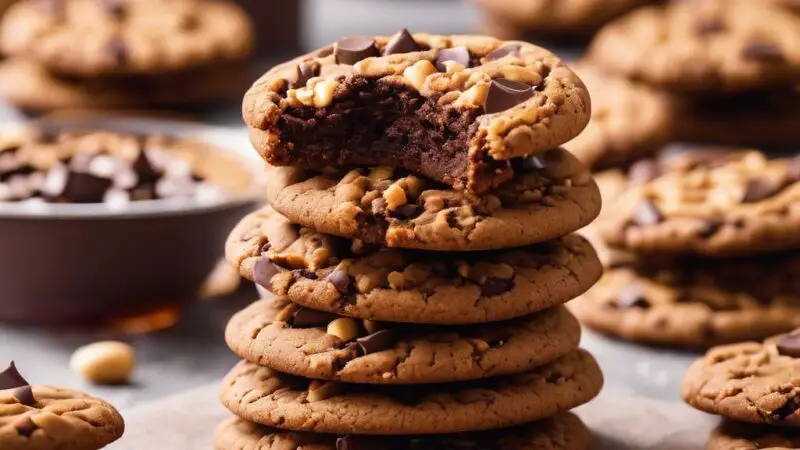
x=710 y=46
x=732 y=435
x=740 y=204
x=555 y=17
x=749 y=382
x=320 y=345
x=562 y=432
x=346 y=277
x=264 y=396
x=694 y=303
x=552 y=197
x=456 y=109
x=91 y=38
x=629 y=121
x=52 y=418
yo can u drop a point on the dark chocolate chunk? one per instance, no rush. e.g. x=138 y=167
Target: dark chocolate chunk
x=64 y=185
x=309 y=318
x=496 y=286
x=789 y=345
x=763 y=52
x=407 y=211
x=377 y=341
x=115 y=8
x=146 y=168
x=505 y=94
x=353 y=49
x=26 y=428
x=401 y=42
x=459 y=55
x=117 y=50
x=791 y=406
x=341 y=281
x=643 y=172
x=11 y=379
x=303 y=72
x=759 y=189
x=498 y=53
x=632 y=297
x=263 y=271
x=647 y=213
x=709 y=228
x=707 y=26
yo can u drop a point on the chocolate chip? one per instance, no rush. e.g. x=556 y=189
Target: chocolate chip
x=377 y=342
x=647 y=213
x=643 y=172
x=64 y=185
x=353 y=49
x=789 y=345
x=117 y=50
x=498 y=53
x=709 y=228
x=303 y=72
x=309 y=318
x=791 y=406
x=763 y=52
x=401 y=42
x=496 y=286
x=263 y=271
x=146 y=168
x=459 y=55
x=407 y=211
x=115 y=8
x=708 y=26
x=505 y=94
x=759 y=189
x=632 y=297
x=26 y=428
x=11 y=379
x=341 y=281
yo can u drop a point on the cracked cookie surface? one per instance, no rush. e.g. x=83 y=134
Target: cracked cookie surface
x=694 y=304
x=732 y=435
x=326 y=346
x=456 y=109
x=264 y=396
x=90 y=38
x=562 y=432
x=741 y=204
x=629 y=121
x=749 y=382
x=554 y=196
x=58 y=419
x=718 y=45
x=345 y=277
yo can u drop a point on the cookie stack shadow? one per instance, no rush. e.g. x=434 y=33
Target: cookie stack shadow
x=400 y=312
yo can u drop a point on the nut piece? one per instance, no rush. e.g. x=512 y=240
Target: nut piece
x=417 y=73
x=395 y=197
x=381 y=173
x=106 y=362
x=344 y=328
x=322 y=390
x=323 y=93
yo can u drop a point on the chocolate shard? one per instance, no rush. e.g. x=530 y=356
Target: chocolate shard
x=303 y=72
x=647 y=213
x=11 y=379
x=760 y=189
x=263 y=271
x=505 y=94
x=502 y=52
x=310 y=318
x=401 y=42
x=353 y=49
x=763 y=52
x=377 y=342
x=789 y=345
x=632 y=297
x=459 y=55
x=341 y=281
x=65 y=185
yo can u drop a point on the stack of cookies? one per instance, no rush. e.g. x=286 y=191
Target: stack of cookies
x=703 y=251
x=754 y=387
x=417 y=249
x=731 y=67
x=123 y=53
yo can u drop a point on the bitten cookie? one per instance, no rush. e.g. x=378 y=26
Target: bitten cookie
x=52 y=418
x=732 y=435
x=742 y=204
x=629 y=121
x=694 y=304
x=456 y=109
x=709 y=46
x=562 y=432
x=264 y=396
x=749 y=382
x=319 y=345
x=91 y=38
x=346 y=277
x=553 y=196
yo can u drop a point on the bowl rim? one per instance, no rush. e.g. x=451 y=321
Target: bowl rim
x=231 y=140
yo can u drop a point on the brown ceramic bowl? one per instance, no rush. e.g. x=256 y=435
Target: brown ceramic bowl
x=88 y=264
